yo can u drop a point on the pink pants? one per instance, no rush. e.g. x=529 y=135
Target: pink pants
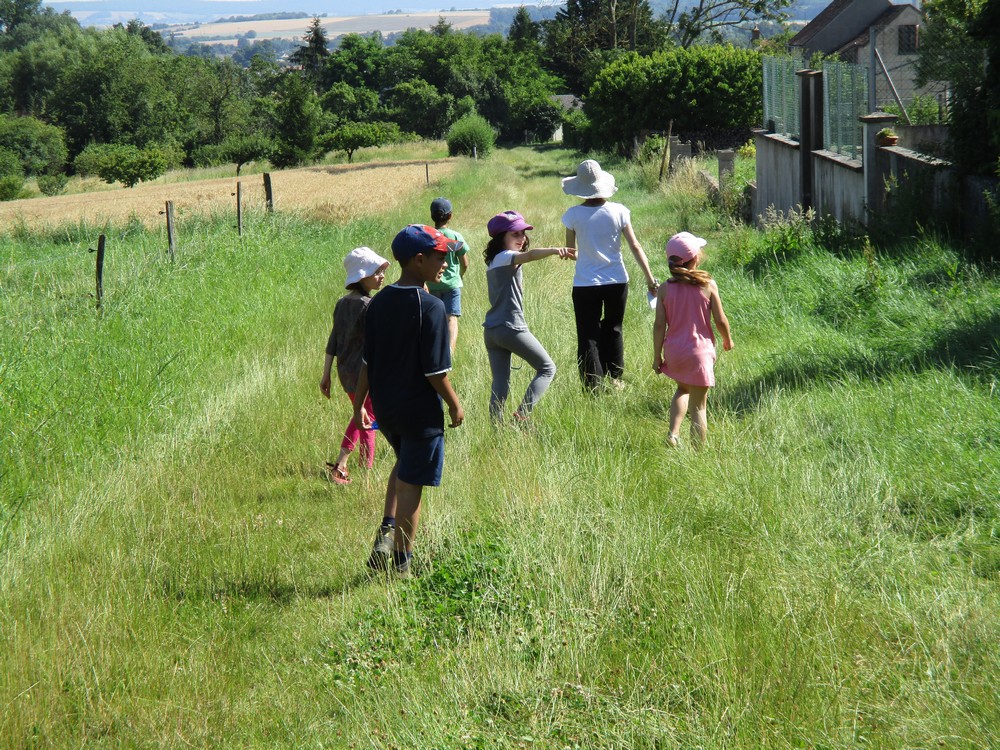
x=367 y=437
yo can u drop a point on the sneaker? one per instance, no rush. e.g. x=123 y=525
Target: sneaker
x=382 y=549
x=402 y=568
x=336 y=474
x=673 y=441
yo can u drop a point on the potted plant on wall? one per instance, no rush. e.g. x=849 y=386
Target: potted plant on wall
x=886 y=137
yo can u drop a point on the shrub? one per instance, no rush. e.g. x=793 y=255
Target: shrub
x=10 y=187
x=41 y=148
x=52 y=184
x=127 y=164
x=471 y=133
x=577 y=130
x=209 y=155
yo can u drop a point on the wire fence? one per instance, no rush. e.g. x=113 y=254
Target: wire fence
x=845 y=99
x=782 y=113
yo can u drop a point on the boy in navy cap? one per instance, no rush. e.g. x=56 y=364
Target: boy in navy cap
x=405 y=367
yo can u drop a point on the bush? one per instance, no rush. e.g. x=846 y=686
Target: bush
x=471 y=134
x=52 y=184
x=576 y=130
x=10 y=187
x=711 y=93
x=209 y=155
x=124 y=163
x=41 y=148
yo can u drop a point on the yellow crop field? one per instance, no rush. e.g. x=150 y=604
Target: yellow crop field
x=332 y=193
x=335 y=26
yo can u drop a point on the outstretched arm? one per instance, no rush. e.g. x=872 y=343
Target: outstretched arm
x=719 y=316
x=640 y=257
x=537 y=253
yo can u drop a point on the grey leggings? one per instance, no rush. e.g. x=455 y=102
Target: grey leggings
x=501 y=342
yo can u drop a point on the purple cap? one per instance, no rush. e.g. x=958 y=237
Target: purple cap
x=508 y=221
x=685 y=246
x=419 y=238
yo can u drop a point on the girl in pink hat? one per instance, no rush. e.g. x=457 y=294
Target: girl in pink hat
x=505 y=330
x=365 y=274
x=683 y=342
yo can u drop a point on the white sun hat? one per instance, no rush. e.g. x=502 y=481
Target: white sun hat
x=590 y=181
x=361 y=263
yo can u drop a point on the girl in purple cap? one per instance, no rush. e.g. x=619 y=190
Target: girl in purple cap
x=683 y=343
x=505 y=329
x=365 y=274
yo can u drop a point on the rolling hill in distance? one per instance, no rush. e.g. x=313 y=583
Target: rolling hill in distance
x=150 y=12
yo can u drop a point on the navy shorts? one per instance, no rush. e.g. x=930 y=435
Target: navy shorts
x=452 y=299
x=420 y=460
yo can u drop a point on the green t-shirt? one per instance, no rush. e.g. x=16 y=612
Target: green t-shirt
x=452 y=278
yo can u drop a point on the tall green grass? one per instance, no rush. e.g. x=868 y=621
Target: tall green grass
x=175 y=571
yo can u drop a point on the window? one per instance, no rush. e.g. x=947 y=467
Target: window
x=908 y=40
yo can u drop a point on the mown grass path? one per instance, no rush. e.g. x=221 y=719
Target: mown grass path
x=175 y=571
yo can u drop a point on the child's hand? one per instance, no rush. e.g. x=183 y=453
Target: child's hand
x=361 y=418
x=324 y=385
x=567 y=253
x=457 y=415
x=657 y=364
x=727 y=344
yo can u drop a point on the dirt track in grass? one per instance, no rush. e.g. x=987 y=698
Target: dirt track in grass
x=333 y=193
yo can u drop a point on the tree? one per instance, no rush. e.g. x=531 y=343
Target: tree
x=955 y=46
x=585 y=31
x=312 y=56
x=690 y=22
x=129 y=165
x=419 y=107
x=524 y=33
x=351 y=136
x=241 y=149
x=348 y=103
x=297 y=121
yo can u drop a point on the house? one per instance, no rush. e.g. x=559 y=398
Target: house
x=844 y=29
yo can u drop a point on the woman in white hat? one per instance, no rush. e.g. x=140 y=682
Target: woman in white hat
x=600 y=286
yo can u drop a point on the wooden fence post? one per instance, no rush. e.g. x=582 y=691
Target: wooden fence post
x=427 y=172
x=666 y=149
x=100 y=269
x=171 y=234
x=475 y=153
x=268 y=195
x=239 y=208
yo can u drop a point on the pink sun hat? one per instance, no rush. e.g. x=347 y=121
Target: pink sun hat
x=685 y=246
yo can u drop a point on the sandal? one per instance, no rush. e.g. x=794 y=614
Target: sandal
x=336 y=474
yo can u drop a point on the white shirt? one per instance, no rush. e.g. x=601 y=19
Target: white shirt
x=598 y=243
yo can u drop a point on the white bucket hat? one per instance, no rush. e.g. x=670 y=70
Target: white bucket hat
x=361 y=263
x=590 y=182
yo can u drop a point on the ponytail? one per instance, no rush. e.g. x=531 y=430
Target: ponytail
x=680 y=272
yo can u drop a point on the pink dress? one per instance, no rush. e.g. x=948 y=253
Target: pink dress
x=689 y=346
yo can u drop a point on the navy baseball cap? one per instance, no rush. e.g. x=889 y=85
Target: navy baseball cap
x=420 y=238
x=440 y=207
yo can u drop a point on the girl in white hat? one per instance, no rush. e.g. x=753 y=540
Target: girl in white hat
x=600 y=285
x=365 y=274
x=683 y=342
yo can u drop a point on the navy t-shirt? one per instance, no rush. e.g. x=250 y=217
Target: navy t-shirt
x=406 y=339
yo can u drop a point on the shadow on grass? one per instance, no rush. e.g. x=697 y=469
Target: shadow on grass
x=974 y=350
x=264 y=589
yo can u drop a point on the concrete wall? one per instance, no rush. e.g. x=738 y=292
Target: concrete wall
x=779 y=181
x=838 y=187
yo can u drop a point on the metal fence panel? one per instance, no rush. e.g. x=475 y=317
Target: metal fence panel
x=781 y=96
x=845 y=100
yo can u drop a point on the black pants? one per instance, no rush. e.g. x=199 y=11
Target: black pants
x=600 y=348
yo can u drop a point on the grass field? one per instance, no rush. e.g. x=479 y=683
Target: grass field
x=332 y=190
x=175 y=571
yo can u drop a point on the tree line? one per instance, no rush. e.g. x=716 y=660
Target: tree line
x=121 y=104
